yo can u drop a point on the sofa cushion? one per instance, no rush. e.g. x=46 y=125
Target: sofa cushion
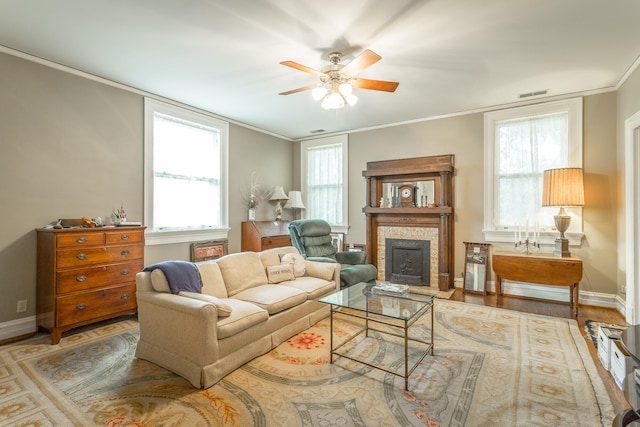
x=297 y=261
x=242 y=271
x=273 y=298
x=212 y=281
x=224 y=309
x=159 y=281
x=243 y=316
x=272 y=256
x=280 y=273
x=322 y=270
x=313 y=286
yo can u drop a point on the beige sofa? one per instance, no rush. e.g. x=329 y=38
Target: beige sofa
x=238 y=315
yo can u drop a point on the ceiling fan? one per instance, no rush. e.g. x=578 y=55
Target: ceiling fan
x=337 y=80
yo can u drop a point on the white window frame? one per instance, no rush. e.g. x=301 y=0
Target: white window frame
x=159 y=237
x=574 y=108
x=305 y=146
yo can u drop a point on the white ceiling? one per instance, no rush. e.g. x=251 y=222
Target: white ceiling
x=223 y=56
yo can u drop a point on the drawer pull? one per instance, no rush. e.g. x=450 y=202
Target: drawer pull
x=104 y=293
x=81 y=278
x=81 y=306
x=124 y=272
x=81 y=239
x=124 y=296
x=125 y=237
x=81 y=256
x=124 y=252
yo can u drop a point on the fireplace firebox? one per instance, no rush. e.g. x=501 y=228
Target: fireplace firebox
x=407 y=262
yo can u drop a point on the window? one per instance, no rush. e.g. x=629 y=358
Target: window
x=324 y=174
x=521 y=143
x=185 y=175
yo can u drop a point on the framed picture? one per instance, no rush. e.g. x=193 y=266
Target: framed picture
x=475 y=267
x=212 y=249
x=337 y=240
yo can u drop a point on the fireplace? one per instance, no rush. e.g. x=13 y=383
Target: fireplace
x=407 y=261
x=410 y=218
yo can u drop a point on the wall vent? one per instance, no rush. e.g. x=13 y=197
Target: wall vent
x=536 y=93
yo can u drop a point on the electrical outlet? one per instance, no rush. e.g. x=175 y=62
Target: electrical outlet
x=22 y=306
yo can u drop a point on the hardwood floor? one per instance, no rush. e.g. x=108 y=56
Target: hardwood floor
x=558 y=309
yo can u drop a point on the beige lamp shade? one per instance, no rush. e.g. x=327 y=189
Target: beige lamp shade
x=278 y=194
x=563 y=187
x=295 y=200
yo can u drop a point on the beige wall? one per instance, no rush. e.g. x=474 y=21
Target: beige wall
x=73 y=147
x=628 y=104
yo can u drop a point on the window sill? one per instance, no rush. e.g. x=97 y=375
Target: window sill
x=169 y=237
x=546 y=237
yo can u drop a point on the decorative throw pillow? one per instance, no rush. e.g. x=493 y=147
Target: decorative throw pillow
x=224 y=309
x=322 y=270
x=297 y=260
x=280 y=273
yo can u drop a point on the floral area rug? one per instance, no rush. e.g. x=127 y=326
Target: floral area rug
x=491 y=367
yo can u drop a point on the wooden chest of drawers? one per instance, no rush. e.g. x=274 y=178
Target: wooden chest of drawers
x=260 y=235
x=86 y=275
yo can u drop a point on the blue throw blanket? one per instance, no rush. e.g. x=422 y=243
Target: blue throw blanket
x=181 y=275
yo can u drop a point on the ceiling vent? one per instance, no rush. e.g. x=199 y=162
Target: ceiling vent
x=530 y=94
x=317 y=131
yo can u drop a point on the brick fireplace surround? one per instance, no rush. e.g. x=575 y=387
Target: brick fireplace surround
x=410 y=222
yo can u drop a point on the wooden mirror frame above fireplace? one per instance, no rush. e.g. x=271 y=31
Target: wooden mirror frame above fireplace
x=440 y=170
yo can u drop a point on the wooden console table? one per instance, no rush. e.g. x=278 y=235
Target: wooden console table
x=544 y=269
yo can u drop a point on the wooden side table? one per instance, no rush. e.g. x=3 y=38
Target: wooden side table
x=544 y=269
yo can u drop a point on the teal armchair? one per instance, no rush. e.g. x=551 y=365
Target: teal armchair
x=312 y=237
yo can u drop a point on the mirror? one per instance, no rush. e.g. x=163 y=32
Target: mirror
x=424 y=193
x=475 y=267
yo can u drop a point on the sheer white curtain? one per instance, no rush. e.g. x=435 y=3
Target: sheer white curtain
x=525 y=147
x=325 y=183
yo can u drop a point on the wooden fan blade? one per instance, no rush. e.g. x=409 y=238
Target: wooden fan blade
x=375 y=85
x=302 y=68
x=300 y=89
x=362 y=61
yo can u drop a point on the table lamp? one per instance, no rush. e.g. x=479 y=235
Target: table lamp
x=562 y=187
x=294 y=202
x=278 y=196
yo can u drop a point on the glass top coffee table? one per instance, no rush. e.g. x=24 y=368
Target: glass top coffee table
x=399 y=313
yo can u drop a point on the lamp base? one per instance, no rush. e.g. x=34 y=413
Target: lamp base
x=561 y=248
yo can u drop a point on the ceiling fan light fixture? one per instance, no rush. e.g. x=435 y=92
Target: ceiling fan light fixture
x=319 y=93
x=351 y=99
x=333 y=101
x=345 y=89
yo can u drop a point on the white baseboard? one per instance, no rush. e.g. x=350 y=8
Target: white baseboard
x=554 y=293
x=16 y=328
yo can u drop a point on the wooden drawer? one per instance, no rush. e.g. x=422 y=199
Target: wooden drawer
x=275 y=242
x=124 y=236
x=93 y=277
x=74 y=240
x=85 y=306
x=98 y=255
